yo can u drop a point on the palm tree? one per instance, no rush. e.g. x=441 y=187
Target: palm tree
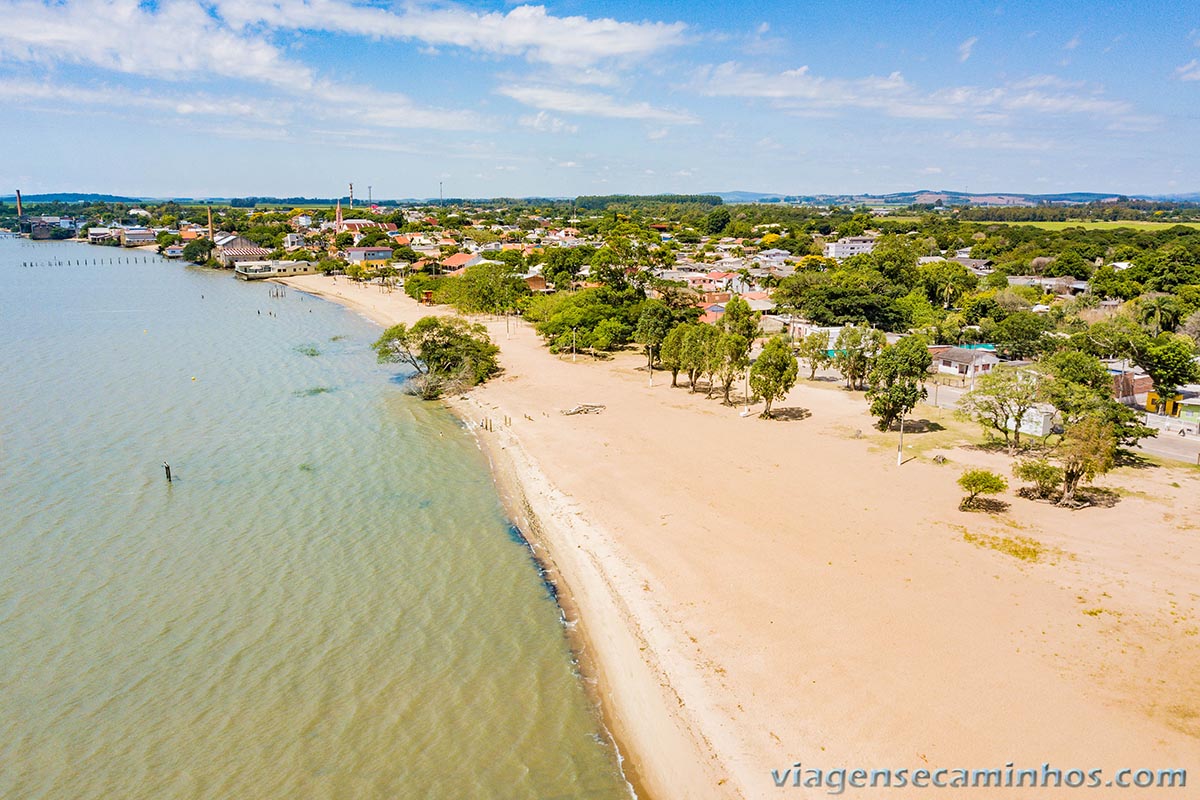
x=1159 y=312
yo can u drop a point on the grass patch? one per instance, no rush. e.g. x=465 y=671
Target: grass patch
x=337 y=338
x=310 y=350
x=313 y=391
x=1021 y=547
x=306 y=467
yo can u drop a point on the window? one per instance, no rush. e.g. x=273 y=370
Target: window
x=962 y=369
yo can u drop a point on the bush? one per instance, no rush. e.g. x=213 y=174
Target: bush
x=1046 y=478
x=979 y=481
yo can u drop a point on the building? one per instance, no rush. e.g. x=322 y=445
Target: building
x=849 y=246
x=173 y=251
x=261 y=270
x=232 y=256
x=461 y=261
x=963 y=362
x=97 y=235
x=293 y=241
x=136 y=237
x=369 y=256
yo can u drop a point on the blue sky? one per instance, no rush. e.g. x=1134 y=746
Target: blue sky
x=301 y=97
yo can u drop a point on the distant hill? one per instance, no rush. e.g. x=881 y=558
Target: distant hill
x=72 y=197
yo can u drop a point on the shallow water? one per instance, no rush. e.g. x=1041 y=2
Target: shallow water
x=326 y=602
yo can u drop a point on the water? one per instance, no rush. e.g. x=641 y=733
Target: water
x=327 y=602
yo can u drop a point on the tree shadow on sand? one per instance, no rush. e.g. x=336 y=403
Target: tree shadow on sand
x=918 y=426
x=988 y=505
x=791 y=414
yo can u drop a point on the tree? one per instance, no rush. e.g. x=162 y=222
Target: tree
x=696 y=351
x=670 y=353
x=1000 y=400
x=979 y=481
x=814 y=349
x=446 y=352
x=733 y=356
x=198 y=251
x=1081 y=386
x=1019 y=334
x=1167 y=359
x=1159 y=313
x=895 y=383
x=343 y=240
x=774 y=372
x=717 y=220
x=652 y=328
x=855 y=351
x=1087 y=449
x=739 y=319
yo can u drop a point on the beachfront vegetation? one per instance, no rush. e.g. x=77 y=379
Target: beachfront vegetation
x=977 y=482
x=448 y=354
x=773 y=373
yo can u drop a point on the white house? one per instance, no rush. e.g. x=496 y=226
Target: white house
x=293 y=241
x=963 y=362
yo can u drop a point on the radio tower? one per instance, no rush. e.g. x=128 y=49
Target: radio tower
x=352 y=196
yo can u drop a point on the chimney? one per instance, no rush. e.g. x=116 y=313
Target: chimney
x=20 y=213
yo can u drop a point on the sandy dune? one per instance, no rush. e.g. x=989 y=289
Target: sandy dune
x=759 y=593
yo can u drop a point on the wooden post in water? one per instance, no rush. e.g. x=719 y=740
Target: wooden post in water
x=167 y=468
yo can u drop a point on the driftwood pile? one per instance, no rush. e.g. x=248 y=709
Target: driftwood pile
x=583 y=408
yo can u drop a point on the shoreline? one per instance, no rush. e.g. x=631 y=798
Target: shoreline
x=759 y=593
x=589 y=602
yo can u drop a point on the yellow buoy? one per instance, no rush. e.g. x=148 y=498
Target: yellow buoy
x=193 y=377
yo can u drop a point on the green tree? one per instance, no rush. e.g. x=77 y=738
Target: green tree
x=343 y=240
x=895 y=383
x=198 y=251
x=696 y=353
x=855 y=351
x=1019 y=335
x=979 y=481
x=733 y=356
x=814 y=350
x=774 y=372
x=447 y=353
x=1000 y=400
x=1167 y=359
x=652 y=328
x=1081 y=386
x=1088 y=449
x=670 y=354
x=717 y=220
x=739 y=319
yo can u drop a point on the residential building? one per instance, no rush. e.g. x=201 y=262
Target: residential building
x=849 y=246
x=293 y=241
x=963 y=362
x=369 y=256
x=260 y=270
x=136 y=237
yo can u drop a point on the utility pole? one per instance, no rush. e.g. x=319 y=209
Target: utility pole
x=573 y=345
x=352 y=195
x=900 y=446
x=650 y=366
x=441 y=200
x=370 y=199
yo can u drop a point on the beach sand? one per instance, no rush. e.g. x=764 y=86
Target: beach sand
x=753 y=593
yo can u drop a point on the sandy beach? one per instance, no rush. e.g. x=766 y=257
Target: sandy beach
x=750 y=594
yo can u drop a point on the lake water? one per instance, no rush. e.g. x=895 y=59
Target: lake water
x=327 y=602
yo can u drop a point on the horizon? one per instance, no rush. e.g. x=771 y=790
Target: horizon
x=492 y=99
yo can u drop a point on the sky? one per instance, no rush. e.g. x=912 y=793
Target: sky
x=221 y=98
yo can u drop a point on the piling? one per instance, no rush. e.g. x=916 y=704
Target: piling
x=167 y=469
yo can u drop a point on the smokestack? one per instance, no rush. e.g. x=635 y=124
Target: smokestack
x=20 y=213
x=211 y=237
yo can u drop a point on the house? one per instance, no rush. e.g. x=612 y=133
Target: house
x=293 y=241
x=369 y=256
x=300 y=222
x=224 y=239
x=364 y=225
x=1036 y=421
x=97 y=235
x=173 y=251
x=849 y=246
x=963 y=362
x=461 y=261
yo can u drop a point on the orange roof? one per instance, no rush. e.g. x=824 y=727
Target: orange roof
x=457 y=260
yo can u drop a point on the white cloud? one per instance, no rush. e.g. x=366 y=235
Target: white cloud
x=187 y=105
x=657 y=133
x=1189 y=71
x=763 y=28
x=591 y=104
x=547 y=123
x=1072 y=43
x=799 y=91
x=177 y=41
x=931 y=171
x=964 y=49
x=526 y=30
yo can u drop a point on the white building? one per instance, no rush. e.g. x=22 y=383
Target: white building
x=293 y=241
x=849 y=246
